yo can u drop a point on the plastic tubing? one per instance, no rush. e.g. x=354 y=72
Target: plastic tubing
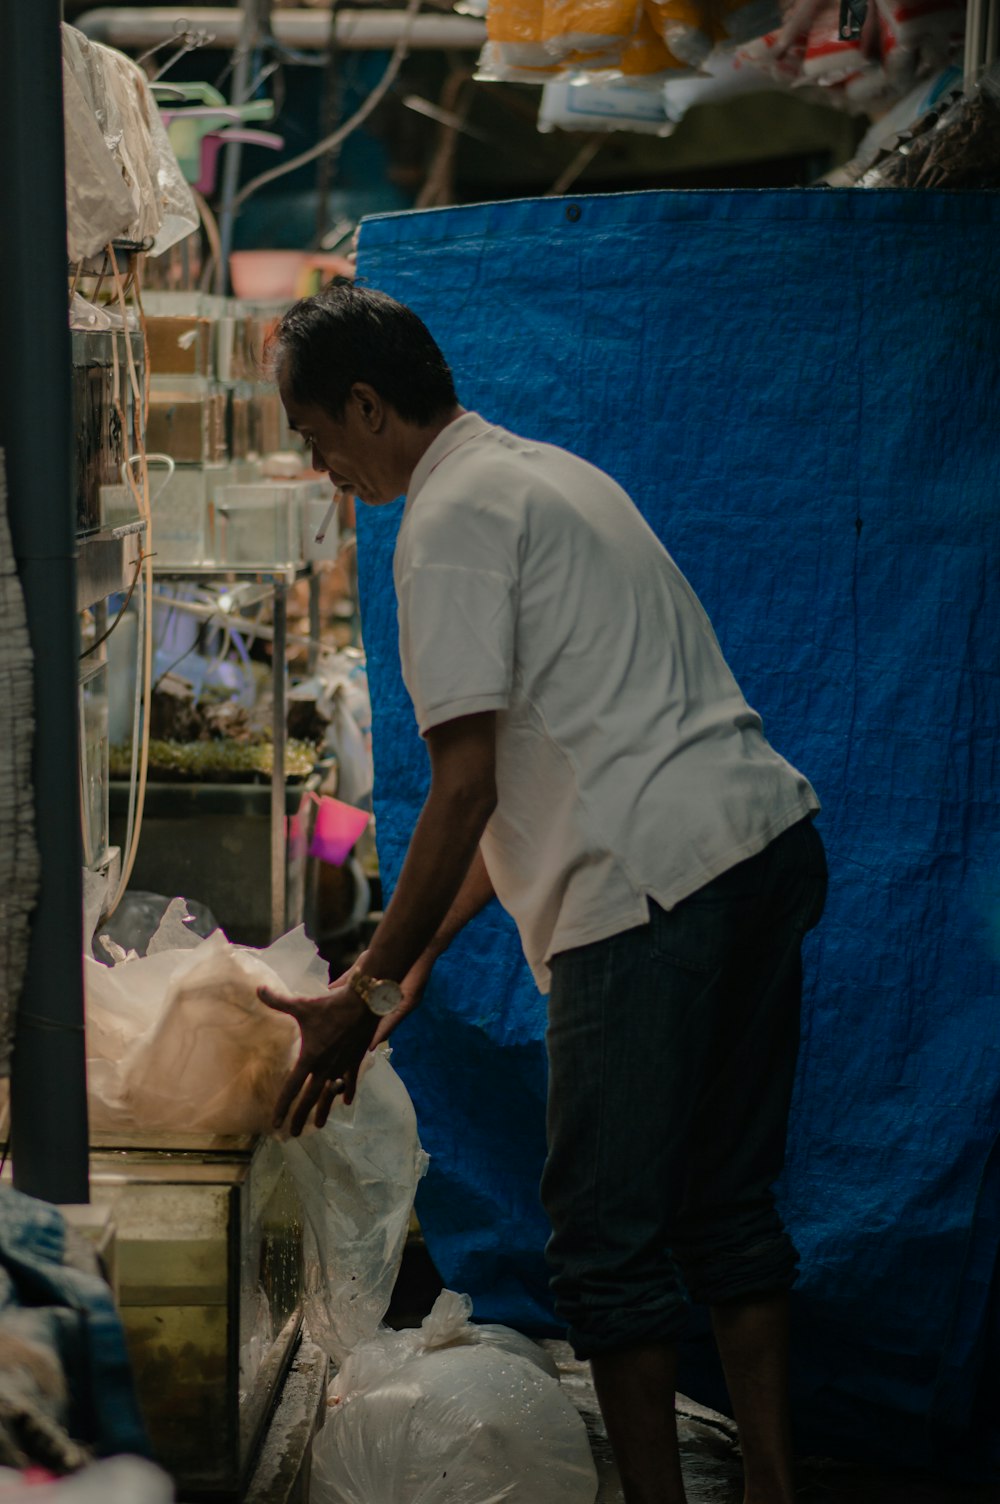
x=141 y=494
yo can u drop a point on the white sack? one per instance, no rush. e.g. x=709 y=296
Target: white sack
x=442 y=1416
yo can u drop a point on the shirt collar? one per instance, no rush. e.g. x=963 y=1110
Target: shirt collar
x=459 y=431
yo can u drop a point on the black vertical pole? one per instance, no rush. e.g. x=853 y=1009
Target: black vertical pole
x=49 y=1142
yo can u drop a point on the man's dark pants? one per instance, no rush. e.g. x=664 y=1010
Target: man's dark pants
x=672 y=1050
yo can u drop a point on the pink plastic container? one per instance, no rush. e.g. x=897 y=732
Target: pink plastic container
x=338 y=828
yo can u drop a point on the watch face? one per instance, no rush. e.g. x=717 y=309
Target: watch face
x=384 y=996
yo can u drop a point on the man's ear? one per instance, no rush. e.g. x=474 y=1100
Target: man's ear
x=369 y=404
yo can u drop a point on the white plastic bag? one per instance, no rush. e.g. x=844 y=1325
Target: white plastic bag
x=446 y=1415
x=116 y=1480
x=357 y=1179
x=178 y=1040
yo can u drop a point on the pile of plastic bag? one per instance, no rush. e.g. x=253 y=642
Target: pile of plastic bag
x=451 y=1413
x=956 y=146
x=691 y=51
x=179 y=1042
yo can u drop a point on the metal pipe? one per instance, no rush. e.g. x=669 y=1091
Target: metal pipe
x=253 y=11
x=48 y=1084
x=973 y=42
x=993 y=32
x=278 y=735
x=305 y=30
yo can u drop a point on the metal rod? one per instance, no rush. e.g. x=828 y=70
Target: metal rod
x=48 y=1085
x=315 y=625
x=973 y=42
x=233 y=154
x=993 y=32
x=244 y=624
x=307 y=30
x=278 y=733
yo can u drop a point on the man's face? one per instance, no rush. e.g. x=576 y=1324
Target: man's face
x=351 y=450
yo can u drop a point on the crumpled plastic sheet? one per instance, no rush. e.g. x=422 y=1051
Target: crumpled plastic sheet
x=179 y=1041
x=123 y=181
x=451 y=1413
x=798 y=389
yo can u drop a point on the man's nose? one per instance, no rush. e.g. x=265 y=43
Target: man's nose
x=318 y=462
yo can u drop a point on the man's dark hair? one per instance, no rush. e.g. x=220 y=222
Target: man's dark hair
x=346 y=333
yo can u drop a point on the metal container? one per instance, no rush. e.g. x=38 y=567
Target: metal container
x=209 y=1261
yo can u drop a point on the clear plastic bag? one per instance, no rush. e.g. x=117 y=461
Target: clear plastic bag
x=123 y=181
x=451 y=1414
x=357 y=1179
x=958 y=147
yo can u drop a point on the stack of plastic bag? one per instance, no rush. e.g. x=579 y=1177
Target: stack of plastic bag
x=696 y=51
x=178 y=1041
x=897 y=46
x=451 y=1413
x=533 y=40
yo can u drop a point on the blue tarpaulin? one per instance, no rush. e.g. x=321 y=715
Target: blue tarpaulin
x=799 y=390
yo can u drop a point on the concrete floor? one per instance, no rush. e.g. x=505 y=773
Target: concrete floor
x=711 y=1463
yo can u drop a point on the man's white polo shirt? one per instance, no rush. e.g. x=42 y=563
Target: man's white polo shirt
x=629 y=765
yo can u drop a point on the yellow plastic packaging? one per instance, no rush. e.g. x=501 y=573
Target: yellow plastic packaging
x=646 y=53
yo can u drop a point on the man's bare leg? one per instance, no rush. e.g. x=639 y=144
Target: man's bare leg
x=752 y=1338
x=635 y=1387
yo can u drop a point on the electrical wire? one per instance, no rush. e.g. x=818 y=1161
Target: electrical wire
x=194 y=648
x=133 y=775
x=124 y=607
x=329 y=143
x=210 y=225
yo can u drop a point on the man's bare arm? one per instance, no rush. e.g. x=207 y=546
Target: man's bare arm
x=474 y=894
x=337 y=1028
x=442 y=882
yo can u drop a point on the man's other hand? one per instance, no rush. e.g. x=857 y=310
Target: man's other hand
x=336 y=1031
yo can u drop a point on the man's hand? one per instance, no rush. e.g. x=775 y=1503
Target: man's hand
x=337 y=1030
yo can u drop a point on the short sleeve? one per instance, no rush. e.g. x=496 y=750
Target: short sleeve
x=456 y=640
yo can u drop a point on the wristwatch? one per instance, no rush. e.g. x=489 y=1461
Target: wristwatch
x=380 y=996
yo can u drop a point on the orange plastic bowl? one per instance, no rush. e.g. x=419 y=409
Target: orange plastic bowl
x=266 y=276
